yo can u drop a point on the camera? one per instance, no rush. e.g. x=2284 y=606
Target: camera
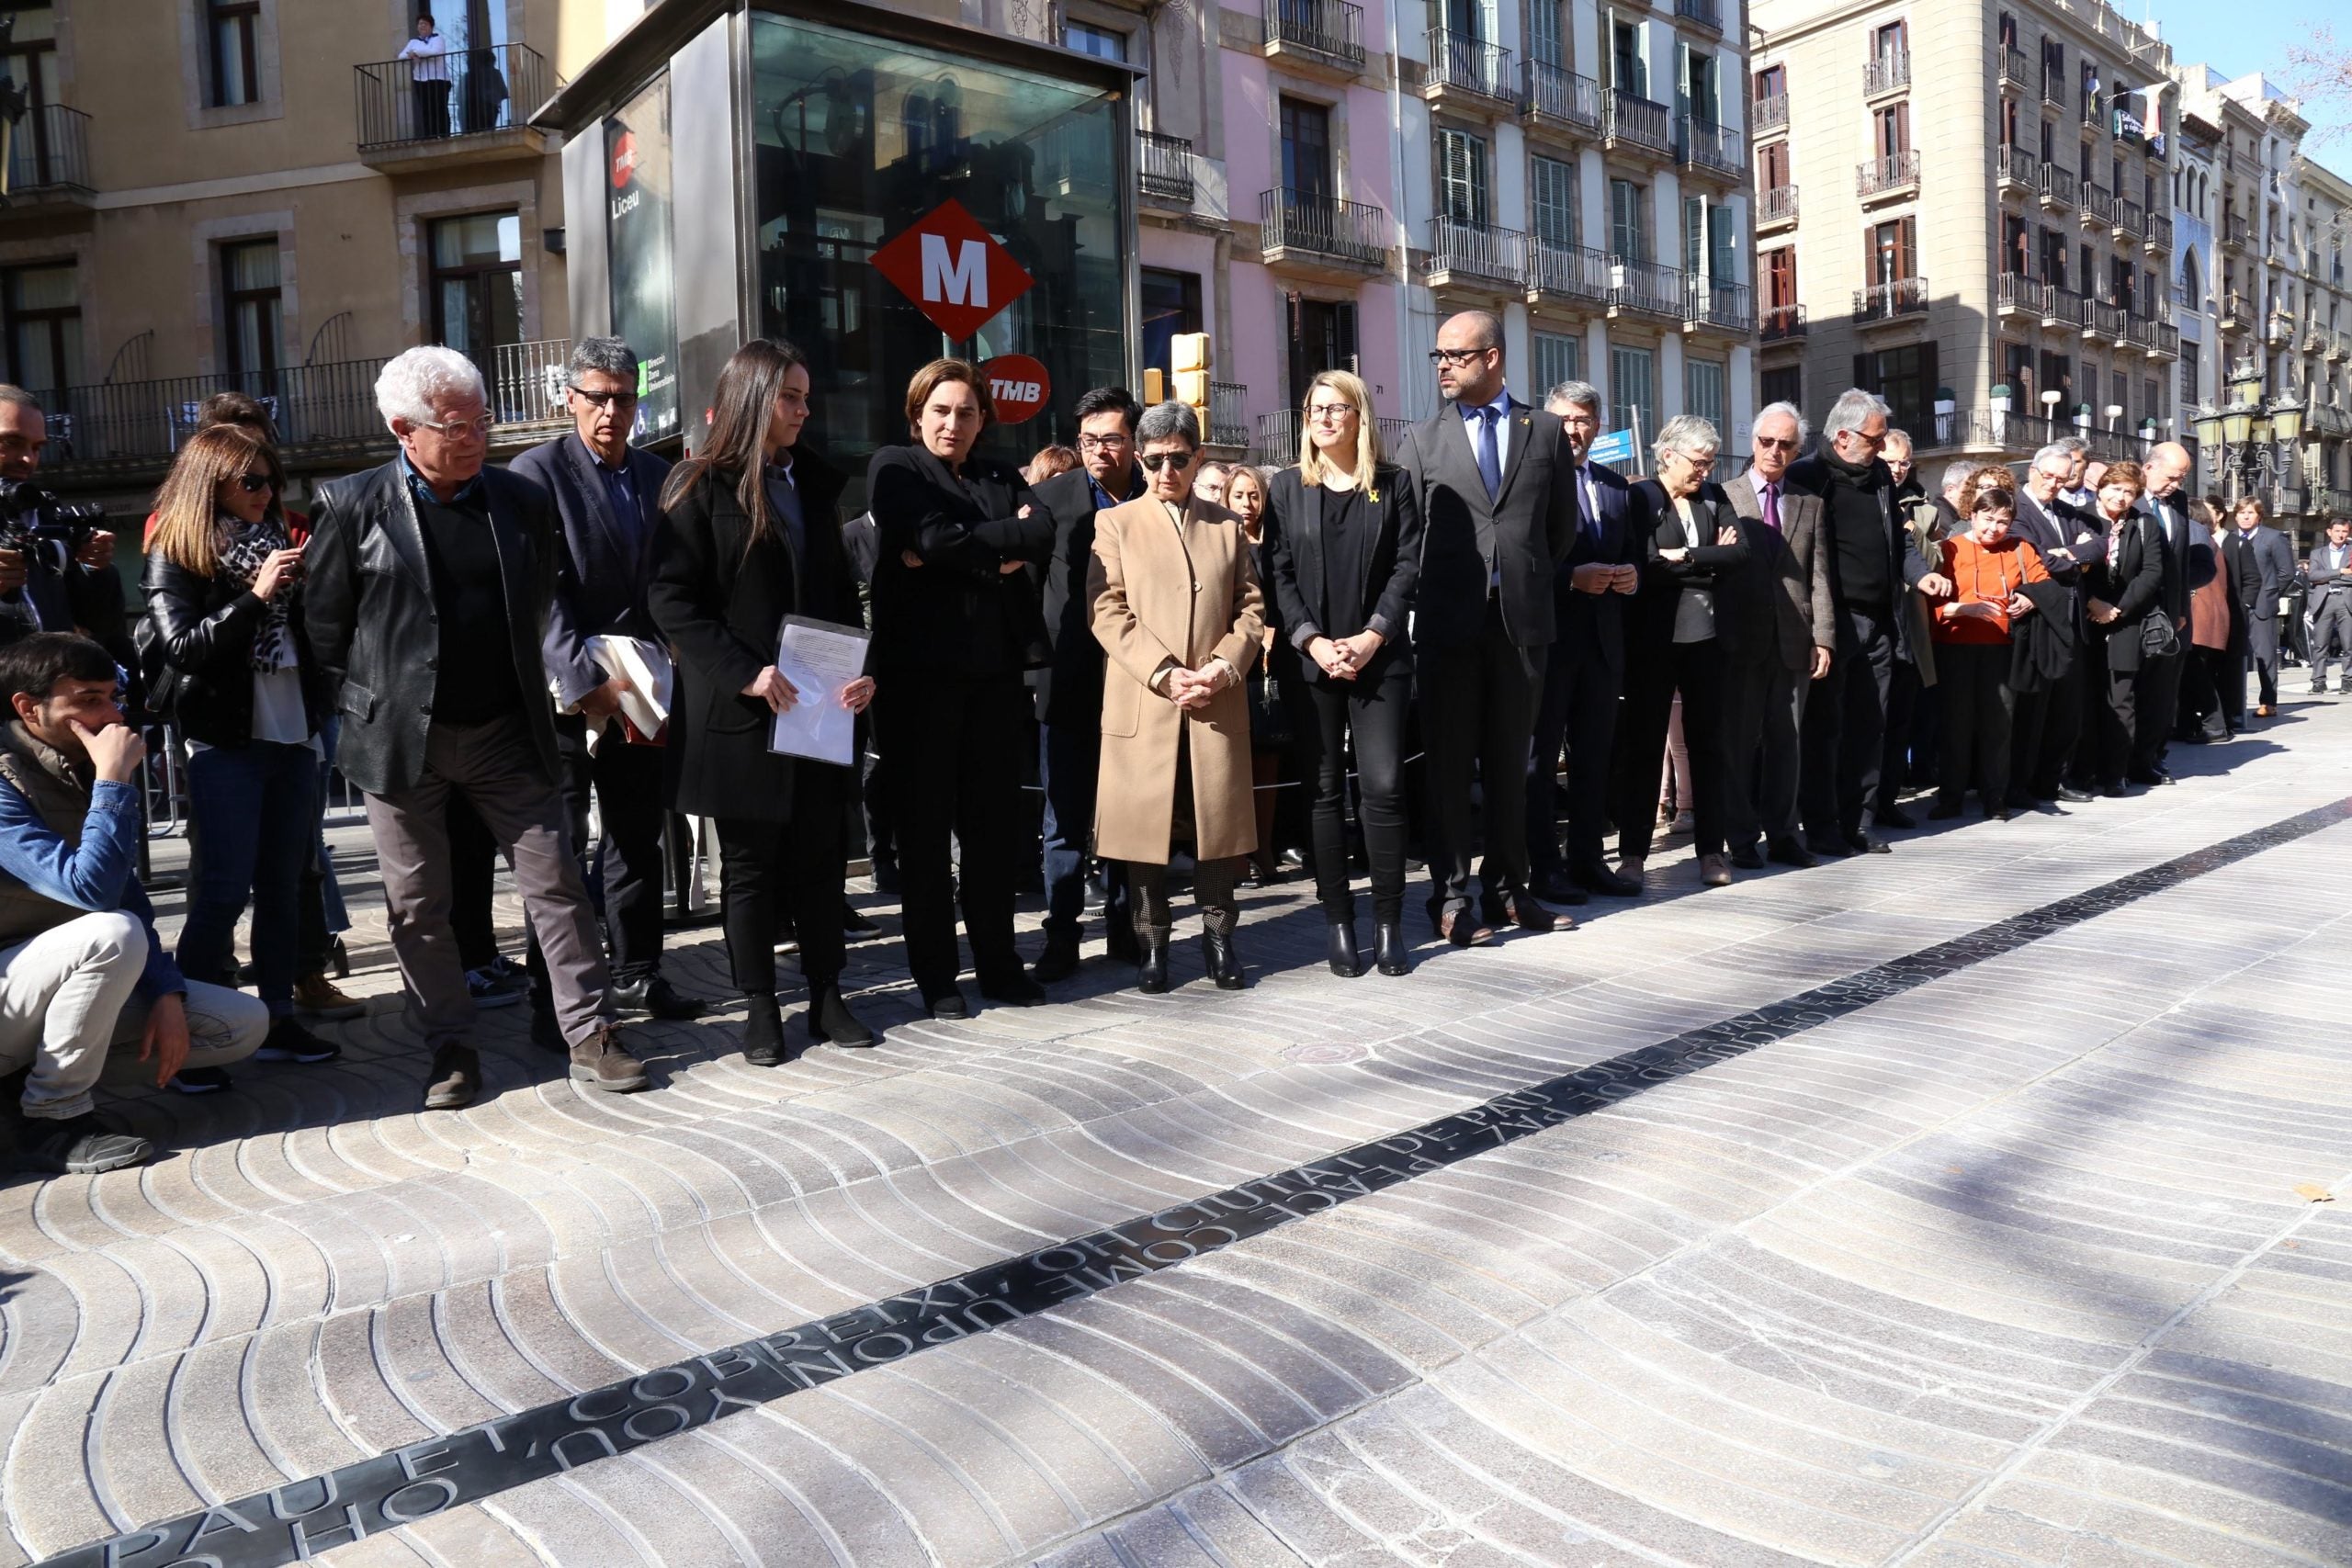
x=30 y=515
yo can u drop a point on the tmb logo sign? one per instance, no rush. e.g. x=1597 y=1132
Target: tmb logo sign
x=1018 y=386
x=624 y=160
x=953 y=272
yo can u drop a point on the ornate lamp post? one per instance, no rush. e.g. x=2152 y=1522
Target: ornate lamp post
x=2255 y=443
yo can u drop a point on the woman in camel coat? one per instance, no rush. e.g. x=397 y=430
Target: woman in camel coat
x=1178 y=608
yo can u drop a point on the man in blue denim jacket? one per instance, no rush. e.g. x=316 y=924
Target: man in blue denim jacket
x=81 y=968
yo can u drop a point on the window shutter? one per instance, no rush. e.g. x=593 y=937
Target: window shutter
x=1906 y=248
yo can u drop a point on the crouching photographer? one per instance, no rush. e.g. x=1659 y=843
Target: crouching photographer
x=82 y=973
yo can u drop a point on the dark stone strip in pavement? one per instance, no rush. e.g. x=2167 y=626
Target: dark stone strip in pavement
x=302 y=1518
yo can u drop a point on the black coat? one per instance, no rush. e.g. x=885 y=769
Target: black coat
x=368 y=600
x=1743 y=618
x=1594 y=623
x=1069 y=688
x=722 y=610
x=205 y=628
x=1386 y=576
x=933 y=617
x=2131 y=579
x=602 y=562
x=1532 y=522
x=1905 y=565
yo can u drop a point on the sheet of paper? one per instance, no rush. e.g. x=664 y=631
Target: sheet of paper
x=819 y=658
x=646 y=667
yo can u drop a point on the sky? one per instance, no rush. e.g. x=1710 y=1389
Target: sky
x=2234 y=37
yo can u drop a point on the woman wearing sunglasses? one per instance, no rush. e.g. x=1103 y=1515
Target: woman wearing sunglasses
x=223 y=606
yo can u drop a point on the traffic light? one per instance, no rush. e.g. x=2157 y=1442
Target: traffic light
x=1189 y=351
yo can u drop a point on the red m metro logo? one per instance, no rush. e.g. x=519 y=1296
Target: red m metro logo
x=953 y=272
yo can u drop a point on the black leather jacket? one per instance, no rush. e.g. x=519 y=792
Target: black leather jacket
x=207 y=625
x=375 y=632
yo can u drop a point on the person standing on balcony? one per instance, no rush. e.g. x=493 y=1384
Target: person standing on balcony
x=432 y=652
x=607 y=500
x=427 y=54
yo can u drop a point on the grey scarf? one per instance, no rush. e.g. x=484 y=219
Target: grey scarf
x=244 y=548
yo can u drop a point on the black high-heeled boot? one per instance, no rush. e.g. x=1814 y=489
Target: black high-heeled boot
x=1345 y=961
x=1388 y=951
x=764 y=1044
x=1151 y=973
x=1224 y=964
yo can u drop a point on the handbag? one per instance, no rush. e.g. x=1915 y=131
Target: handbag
x=1270 y=723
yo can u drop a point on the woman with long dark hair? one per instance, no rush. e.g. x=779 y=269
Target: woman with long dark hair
x=1344 y=540
x=749 y=536
x=223 y=586
x=957 y=623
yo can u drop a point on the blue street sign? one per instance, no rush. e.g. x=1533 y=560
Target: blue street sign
x=1614 y=447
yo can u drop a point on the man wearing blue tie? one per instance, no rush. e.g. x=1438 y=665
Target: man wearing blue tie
x=1498 y=513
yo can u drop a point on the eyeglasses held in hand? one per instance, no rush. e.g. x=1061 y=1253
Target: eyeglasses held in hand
x=253 y=484
x=606 y=400
x=1153 y=462
x=1455 y=355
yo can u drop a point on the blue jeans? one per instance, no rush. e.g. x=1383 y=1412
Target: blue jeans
x=254 y=810
x=1069 y=761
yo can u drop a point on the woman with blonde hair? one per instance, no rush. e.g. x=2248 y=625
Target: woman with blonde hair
x=225 y=631
x=1343 y=536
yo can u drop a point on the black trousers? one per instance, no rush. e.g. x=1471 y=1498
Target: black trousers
x=1372 y=713
x=954 y=770
x=769 y=870
x=1478 y=704
x=1763 y=748
x=625 y=782
x=1578 y=714
x=473 y=881
x=2110 y=713
x=2156 y=700
x=1977 y=706
x=1698 y=670
x=1213 y=890
x=1914 y=734
x=1845 y=725
x=2056 y=715
x=2205 y=693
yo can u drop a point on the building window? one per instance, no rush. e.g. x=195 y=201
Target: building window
x=477 y=285
x=1780 y=279
x=1893 y=251
x=1547 y=34
x=1322 y=337
x=1783 y=384
x=1172 y=304
x=1772 y=82
x=1772 y=166
x=1906 y=378
x=1555 y=360
x=2017 y=247
x=252 y=311
x=2017 y=372
x=1627 y=240
x=1890 y=41
x=1893 y=129
x=1702 y=393
x=1462 y=178
x=1694 y=234
x=1700 y=86
x=1722 y=246
x=41 y=308
x=1100 y=42
x=1306 y=148
x=1633 y=397
x=1552 y=201
x=1628 y=72
x=230 y=27
x=2192 y=395
x=2053 y=257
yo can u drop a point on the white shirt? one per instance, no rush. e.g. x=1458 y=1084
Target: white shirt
x=430 y=55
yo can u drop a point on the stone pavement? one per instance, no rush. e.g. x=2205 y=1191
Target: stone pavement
x=2022 y=1261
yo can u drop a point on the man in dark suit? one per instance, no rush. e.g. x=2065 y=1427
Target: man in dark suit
x=1496 y=521
x=2045 y=725
x=1790 y=585
x=2157 y=699
x=428 y=581
x=608 y=502
x=2270 y=560
x=2330 y=607
x=1586 y=671
x=1069 y=689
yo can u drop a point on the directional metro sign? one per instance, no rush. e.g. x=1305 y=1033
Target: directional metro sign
x=952 y=271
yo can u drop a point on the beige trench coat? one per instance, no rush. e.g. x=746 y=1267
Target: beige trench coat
x=1161 y=599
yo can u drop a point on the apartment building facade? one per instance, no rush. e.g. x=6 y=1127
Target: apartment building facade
x=1967 y=208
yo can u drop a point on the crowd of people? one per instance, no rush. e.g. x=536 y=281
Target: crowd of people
x=1163 y=644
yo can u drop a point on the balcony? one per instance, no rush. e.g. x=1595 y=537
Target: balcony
x=1475 y=258
x=1311 y=233
x=1636 y=125
x=2017 y=172
x=2065 y=309
x=2339 y=345
x=1228 y=425
x=1705 y=149
x=479 y=113
x=2315 y=338
x=2103 y=321
x=2013 y=69
x=2158 y=238
x=2236 y=232
x=1321 y=38
x=2057 y=188
x=1781 y=323
x=1776 y=208
x=2097 y=207
x=2054 y=90
x=1883 y=179
x=1566 y=274
x=49 y=161
x=1725 y=308
x=1645 y=288
x=2015 y=294
x=2232 y=312
x=1164 y=169
x=1888 y=72
x=1466 y=73
x=2130 y=219
x=1770 y=114
x=2278 y=332
x=2140 y=331
x=1891 y=300
x=1705 y=13
x=1558 y=99
x=2168 y=343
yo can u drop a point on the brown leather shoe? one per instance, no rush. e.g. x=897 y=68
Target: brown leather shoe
x=1458 y=927
x=1714 y=872
x=2263 y=711
x=1519 y=909
x=455 y=1079
x=601 y=1061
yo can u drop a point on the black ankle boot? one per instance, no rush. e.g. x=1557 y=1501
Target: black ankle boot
x=830 y=1019
x=1224 y=964
x=1345 y=963
x=1388 y=948
x=764 y=1043
x=1151 y=975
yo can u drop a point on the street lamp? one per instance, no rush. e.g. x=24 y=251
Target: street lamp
x=2256 y=442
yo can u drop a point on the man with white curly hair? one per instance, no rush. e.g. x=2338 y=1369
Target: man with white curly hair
x=430 y=579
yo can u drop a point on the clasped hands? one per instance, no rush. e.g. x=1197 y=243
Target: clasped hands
x=1599 y=577
x=1192 y=689
x=1343 y=658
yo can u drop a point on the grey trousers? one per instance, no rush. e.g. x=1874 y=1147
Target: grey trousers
x=2332 y=639
x=1214 y=882
x=1765 y=735
x=495 y=767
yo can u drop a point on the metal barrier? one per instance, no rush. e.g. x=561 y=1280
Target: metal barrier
x=164 y=789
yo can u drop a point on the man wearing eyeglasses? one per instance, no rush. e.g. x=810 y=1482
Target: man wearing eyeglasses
x=1069 y=690
x=430 y=579
x=607 y=498
x=1498 y=515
